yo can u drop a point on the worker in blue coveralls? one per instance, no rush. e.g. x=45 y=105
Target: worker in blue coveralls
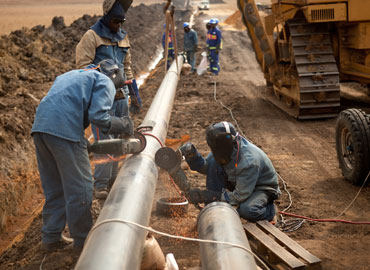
x=76 y=99
x=106 y=40
x=190 y=44
x=238 y=172
x=171 y=48
x=214 y=46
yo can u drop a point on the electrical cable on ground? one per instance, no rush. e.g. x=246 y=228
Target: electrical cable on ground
x=42 y=262
x=293 y=224
x=358 y=193
x=175 y=236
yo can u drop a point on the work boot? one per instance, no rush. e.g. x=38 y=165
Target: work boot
x=101 y=193
x=54 y=246
x=276 y=216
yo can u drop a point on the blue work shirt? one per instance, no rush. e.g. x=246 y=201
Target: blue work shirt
x=76 y=99
x=253 y=171
x=214 y=38
x=170 y=42
x=190 y=40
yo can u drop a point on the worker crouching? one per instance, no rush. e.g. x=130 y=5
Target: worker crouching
x=76 y=99
x=238 y=172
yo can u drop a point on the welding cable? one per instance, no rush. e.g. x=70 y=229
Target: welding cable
x=222 y=104
x=358 y=193
x=42 y=262
x=175 y=236
x=326 y=220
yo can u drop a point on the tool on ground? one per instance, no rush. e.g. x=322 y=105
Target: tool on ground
x=120 y=146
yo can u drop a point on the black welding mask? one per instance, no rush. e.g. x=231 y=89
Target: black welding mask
x=220 y=138
x=109 y=68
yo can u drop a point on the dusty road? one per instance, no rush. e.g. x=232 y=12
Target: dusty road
x=302 y=152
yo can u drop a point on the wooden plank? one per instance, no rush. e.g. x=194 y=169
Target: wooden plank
x=274 y=247
x=290 y=244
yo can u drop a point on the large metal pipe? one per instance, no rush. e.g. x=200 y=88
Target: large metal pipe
x=117 y=245
x=219 y=221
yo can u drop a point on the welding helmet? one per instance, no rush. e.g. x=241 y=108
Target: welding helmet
x=109 y=68
x=220 y=138
x=185 y=24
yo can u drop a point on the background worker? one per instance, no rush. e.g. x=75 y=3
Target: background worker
x=76 y=99
x=238 y=172
x=106 y=40
x=170 y=49
x=214 y=38
x=190 y=44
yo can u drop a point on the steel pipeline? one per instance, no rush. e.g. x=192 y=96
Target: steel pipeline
x=116 y=245
x=219 y=221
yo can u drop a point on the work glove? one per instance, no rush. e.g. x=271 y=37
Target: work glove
x=188 y=150
x=121 y=126
x=136 y=104
x=196 y=196
x=195 y=48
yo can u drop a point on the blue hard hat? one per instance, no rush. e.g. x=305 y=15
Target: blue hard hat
x=212 y=21
x=185 y=24
x=216 y=20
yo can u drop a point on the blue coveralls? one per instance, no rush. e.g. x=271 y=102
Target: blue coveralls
x=249 y=180
x=171 y=49
x=214 y=45
x=76 y=99
x=107 y=172
x=190 y=45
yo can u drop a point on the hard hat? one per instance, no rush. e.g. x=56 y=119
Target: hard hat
x=185 y=24
x=109 y=68
x=220 y=138
x=216 y=20
x=212 y=21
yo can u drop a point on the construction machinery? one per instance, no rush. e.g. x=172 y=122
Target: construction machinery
x=307 y=47
x=353 y=145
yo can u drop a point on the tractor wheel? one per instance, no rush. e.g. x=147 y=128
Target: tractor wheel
x=353 y=145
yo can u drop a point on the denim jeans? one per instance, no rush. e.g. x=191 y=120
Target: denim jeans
x=105 y=174
x=258 y=206
x=190 y=55
x=67 y=183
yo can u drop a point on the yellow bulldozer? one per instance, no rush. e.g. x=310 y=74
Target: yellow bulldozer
x=307 y=47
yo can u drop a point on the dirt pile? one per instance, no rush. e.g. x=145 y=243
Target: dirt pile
x=235 y=20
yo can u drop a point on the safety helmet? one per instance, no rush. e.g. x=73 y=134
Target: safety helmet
x=185 y=24
x=109 y=68
x=212 y=21
x=220 y=138
x=216 y=20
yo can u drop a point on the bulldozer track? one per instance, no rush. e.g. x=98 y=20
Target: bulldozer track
x=317 y=71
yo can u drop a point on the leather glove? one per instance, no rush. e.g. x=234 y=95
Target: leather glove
x=195 y=48
x=136 y=104
x=188 y=150
x=217 y=51
x=203 y=196
x=121 y=126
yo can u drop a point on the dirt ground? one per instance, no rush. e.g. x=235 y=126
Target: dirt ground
x=302 y=152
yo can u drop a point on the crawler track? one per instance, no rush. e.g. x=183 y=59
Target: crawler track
x=317 y=71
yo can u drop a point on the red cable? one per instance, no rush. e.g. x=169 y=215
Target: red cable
x=326 y=220
x=155 y=137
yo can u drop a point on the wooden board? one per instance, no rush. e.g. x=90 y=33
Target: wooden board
x=279 y=250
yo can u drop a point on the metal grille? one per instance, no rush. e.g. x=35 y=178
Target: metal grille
x=322 y=14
